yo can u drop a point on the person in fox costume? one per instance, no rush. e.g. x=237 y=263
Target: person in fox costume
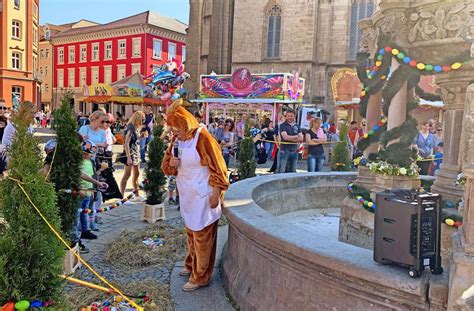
x=196 y=160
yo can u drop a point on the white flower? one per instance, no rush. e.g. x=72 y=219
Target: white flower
x=403 y=171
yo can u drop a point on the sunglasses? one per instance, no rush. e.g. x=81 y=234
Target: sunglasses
x=439 y=130
x=108 y=122
x=3 y=108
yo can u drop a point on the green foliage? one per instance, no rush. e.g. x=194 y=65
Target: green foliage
x=67 y=163
x=247 y=164
x=30 y=255
x=155 y=179
x=340 y=160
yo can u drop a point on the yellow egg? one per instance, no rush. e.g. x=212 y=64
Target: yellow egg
x=449 y=222
x=370 y=204
x=395 y=52
x=366 y=135
x=420 y=66
x=379 y=63
x=456 y=65
x=383 y=77
x=362 y=93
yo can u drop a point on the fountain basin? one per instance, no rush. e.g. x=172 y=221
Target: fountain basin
x=270 y=264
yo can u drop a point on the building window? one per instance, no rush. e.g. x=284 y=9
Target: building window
x=35 y=11
x=71 y=54
x=47 y=53
x=183 y=54
x=157 y=49
x=83 y=76
x=60 y=78
x=60 y=55
x=35 y=65
x=17 y=91
x=95 y=52
x=16 y=64
x=171 y=50
x=16 y=30
x=274 y=32
x=35 y=35
x=95 y=75
x=107 y=74
x=41 y=70
x=72 y=78
x=360 y=9
x=137 y=48
x=121 y=72
x=46 y=88
x=16 y=4
x=46 y=70
x=122 y=49
x=136 y=68
x=108 y=51
x=41 y=53
x=83 y=53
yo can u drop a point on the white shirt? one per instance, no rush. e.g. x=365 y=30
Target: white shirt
x=9 y=133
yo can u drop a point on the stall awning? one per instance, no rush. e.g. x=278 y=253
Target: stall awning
x=125 y=100
x=244 y=101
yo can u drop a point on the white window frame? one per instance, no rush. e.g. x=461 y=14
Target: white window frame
x=71 y=51
x=35 y=36
x=183 y=53
x=94 y=70
x=16 y=60
x=155 y=56
x=170 y=44
x=82 y=76
x=108 y=74
x=136 y=47
x=119 y=69
x=35 y=11
x=71 y=79
x=60 y=55
x=108 y=49
x=17 y=90
x=122 y=51
x=95 y=56
x=81 y=51
x=136 y=67
x=35 y=65
x=60 y=76
x=16 y=29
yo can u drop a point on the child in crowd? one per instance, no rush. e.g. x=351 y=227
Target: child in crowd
x=87 y=183
x=171 y=189
x=438 y=158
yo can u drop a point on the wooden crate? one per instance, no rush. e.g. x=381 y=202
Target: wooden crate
x=71 y=262
x=153 y=213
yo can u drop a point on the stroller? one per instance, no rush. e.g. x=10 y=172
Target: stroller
x=105 y=173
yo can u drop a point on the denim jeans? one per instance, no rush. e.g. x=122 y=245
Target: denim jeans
x=226 y=159
x=315 y=163
x=80 y=223
x=269 y=149
x=285 y=157
x=144 y=141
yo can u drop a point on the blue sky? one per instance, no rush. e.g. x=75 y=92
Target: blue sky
x=103 y=11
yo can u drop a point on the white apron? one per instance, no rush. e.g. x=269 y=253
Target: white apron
x=193 y=187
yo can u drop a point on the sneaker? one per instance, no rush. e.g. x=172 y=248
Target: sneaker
x=83 y=249
x=172 y=201
x=177 y=200
x=138 y=199
x=88 y=235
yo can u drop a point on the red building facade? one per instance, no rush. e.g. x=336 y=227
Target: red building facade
x=107 y=53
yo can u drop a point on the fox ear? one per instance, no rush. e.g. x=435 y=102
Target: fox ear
x=174 y=106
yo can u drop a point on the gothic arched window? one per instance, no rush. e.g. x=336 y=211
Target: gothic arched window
x=274 y=31
x=360 y=9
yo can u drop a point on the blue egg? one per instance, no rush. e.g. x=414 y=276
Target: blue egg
x=374 y=72
x=406 y=59
x=382 y=51
x=376 y=128
x=437 y=68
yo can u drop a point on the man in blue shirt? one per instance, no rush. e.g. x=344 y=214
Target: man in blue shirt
x=291 y=137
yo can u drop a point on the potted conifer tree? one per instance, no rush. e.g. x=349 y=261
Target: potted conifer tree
x=340 y=160
x=247 y=163
x=155 y=179
x=30 y=254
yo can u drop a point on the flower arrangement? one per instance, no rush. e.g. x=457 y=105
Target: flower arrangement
x=461 y=179
x=360 y=161
x=394 y=170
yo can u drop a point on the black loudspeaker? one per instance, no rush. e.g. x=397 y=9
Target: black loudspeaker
x=408 y=229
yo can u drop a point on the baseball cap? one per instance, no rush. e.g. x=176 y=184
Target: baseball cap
x=50 y=146
x=89 y=147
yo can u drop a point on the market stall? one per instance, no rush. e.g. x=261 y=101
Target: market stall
x=257 y=95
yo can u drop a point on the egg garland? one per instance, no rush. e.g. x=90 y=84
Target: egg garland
x=367 y=204
x=419 y=65
x=107 y=208
x=375 y=129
